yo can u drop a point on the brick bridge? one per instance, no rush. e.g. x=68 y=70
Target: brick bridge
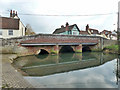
x=55 y=44
x=58 y=43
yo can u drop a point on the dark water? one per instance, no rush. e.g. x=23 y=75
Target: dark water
x=70 y=70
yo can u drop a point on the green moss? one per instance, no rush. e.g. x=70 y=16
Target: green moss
x=54 y=52
x=78 y=51
x=113 y=47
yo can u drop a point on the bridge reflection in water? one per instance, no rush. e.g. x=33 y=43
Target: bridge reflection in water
x=42 y=65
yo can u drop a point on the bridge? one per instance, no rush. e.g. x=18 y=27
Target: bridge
x=54 y=44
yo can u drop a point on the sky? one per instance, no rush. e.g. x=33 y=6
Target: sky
x=47 y=24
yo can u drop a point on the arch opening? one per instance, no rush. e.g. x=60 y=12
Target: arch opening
x=66 y=49
x=86 y=49
x=42 y=51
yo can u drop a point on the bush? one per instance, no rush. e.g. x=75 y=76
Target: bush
x=113 y=47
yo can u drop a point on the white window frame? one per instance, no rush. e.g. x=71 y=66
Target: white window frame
x=10 y=32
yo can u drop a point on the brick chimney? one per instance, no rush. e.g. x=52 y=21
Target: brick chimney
x=10 y=13
x=67 y=25
x=87 y=27
x=16 y=14
x=13 y=13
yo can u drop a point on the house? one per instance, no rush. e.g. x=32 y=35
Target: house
x=106 y=34
x=114 y=36
x=11 y=26
x=91 y=31
x=109 y=35
x=67 y=30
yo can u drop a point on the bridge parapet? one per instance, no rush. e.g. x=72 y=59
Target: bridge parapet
x=17 y=40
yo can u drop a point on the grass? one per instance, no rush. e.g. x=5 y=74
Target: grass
x=113 y=47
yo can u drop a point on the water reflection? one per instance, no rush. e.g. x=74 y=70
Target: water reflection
x=73 y=70
x=42 y=65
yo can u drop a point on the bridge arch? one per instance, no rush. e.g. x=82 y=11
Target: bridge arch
x=86 y=49
x=42 y=51
x=66 y=49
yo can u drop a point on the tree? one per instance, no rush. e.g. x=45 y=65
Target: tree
x=29 y=30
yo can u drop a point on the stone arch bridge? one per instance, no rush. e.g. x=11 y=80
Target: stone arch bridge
x=29 y=45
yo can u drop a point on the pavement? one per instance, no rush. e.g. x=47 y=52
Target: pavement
x=11 y=78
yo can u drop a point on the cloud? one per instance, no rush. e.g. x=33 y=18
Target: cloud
x=62 y=7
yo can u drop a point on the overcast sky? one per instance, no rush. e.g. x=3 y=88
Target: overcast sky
x=47 y=24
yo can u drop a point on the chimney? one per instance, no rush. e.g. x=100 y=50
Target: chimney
x=16 y=13
x=10 y=13
x=87 y=27
x=67 y=25
x=62 y=26
x=13 y=13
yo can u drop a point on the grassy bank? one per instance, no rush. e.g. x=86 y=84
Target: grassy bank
x=111 y=49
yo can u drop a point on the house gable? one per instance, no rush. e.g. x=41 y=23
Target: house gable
x=75 y=30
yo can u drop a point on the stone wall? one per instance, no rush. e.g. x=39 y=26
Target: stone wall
x=109 y=42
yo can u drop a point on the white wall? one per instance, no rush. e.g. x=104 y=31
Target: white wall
x=75 y=31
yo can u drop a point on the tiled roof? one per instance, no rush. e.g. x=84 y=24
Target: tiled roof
x=93 y=31
x=84 y=32
x=106 y=32
x=63 y=29
x=9 y=23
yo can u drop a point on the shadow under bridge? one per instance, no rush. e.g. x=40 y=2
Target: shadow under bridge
x=63 y=47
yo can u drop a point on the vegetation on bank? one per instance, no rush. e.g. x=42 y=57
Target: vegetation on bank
x=111 y=49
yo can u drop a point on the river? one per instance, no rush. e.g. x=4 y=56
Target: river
x=70 y=70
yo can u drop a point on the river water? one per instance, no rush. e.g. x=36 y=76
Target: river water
x=70 y=70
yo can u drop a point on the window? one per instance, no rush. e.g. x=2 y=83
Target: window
x=74 y=33
x=92 y=31
x=69 y=32
x=0 y=32
x=10 y=32
x=106 y=32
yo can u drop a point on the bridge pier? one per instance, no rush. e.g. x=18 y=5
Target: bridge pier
x=78 y=49
x=54 y=50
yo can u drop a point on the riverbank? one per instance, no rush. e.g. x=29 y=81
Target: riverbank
x=111 y=49
x=11 y=78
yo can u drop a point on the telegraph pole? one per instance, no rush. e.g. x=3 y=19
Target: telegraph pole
x=118 y=27
x=118 y=35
